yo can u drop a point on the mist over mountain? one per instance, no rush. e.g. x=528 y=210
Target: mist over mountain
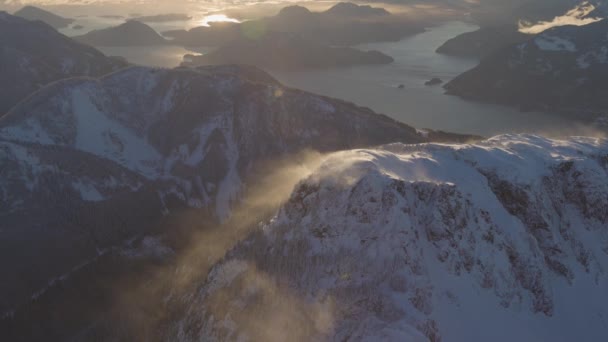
x=424 y=243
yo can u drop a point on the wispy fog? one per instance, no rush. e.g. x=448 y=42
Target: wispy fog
x=142 y=303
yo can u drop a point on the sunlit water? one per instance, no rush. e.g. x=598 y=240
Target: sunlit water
x=86 y=23
x=167 y=56
x=425 y=107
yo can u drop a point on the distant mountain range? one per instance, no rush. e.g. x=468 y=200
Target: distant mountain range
x=343 y=24
x=563 y=69
x=35 y=13
x=289 y=41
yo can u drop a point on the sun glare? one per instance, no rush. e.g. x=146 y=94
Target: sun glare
x=217 y=18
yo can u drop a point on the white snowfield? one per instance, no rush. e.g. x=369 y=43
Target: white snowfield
x=504 y=240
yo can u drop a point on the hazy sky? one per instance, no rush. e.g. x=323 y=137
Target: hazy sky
x=490 y=11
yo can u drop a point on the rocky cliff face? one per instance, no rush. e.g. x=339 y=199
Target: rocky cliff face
x=92 y=162
x=503 y=240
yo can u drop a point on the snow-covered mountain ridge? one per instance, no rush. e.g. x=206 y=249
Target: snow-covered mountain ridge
x=502 y=240
x=134 y=145
x=167 y=124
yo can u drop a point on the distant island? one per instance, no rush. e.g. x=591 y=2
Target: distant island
x=433 y=82
x=282 y=51
x=131 y=33
x=35 y=13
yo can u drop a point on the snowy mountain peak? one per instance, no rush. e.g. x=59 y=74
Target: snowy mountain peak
x=429 y=242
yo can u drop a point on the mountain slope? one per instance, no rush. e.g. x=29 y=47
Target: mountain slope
x=167 y=140
x=482 y=42
x=562 y=69
x=56 y=215
x=33 y=54
x=131 y=33
x=503 y=240
x=35 y=13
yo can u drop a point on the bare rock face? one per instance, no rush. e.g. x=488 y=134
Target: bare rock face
x=425 y=243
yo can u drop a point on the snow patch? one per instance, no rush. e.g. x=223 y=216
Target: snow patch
x=87 y=190
x=552 y=43
x=586 y=60
x=100 y=135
